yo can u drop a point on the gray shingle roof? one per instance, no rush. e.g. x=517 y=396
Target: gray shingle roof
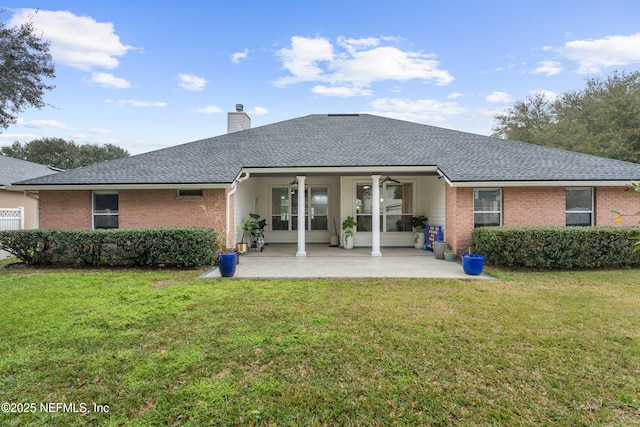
x=14 y=170
x=322 y=140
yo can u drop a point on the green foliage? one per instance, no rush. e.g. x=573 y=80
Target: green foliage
x=252 y=225
x=348 y=225
x=418 y=222
x=24 y=64
x=603 y=119
x=149 y=247
x=63 y=154
x=557 y=247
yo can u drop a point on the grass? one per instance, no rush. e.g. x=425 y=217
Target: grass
x=165 y=348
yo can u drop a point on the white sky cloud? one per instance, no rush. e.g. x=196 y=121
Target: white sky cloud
x=191 y=82
x=238 y=56
x=42 y=124
x=352 y=65
x=344 y=91
x=259 y=111
x=109 y=81
x=77 y=41
x=421 y=110
x=136 y=103
x=210 y=109
x=455 y=95
x=499 y=97
x=550 y=95
x=549 y=68
x=594 y=56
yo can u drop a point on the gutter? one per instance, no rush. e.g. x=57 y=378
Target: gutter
x=230 y=193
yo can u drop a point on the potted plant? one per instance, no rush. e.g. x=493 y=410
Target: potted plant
x=348 y=227
x=251 y=227
x=227 y=258
x=418 y=225
x=247 y=228
x=449 y=255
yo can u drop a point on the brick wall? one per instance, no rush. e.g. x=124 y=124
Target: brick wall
x=616 y=198
x=66 y=210
x=533 y=206
x=523 y=206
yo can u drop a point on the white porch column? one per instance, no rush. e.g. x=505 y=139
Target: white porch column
x=301 y=216
x=375 y=215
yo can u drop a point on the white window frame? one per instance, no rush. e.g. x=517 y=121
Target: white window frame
x=590 y=212
x=308 y=208
x=383 y=202
x=93 y=207
x=475 y=211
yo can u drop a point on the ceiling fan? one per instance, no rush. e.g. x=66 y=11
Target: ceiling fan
x=389 y=179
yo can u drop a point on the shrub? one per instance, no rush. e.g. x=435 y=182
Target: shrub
x=557 y=247
x=149 y=247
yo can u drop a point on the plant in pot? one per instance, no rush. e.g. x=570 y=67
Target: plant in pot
x=449 y=255
x=247 y=228
x=257 y=231
x=418 y=225
x=348 y=227
x=251 y=227
x=227 y=258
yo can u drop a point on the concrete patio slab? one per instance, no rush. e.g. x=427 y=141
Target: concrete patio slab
x=280 y=261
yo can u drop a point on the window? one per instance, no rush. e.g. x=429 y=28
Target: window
x=579 y=206
x=396 y=206
x=284 y=208
x=487 y=207
x=105 y=210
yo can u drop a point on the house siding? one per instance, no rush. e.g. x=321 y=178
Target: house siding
x=533 y=206
x=13 y=199
x=68 y=210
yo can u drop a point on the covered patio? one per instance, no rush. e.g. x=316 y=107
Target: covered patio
x=323 y=261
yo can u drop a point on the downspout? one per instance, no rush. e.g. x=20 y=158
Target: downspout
x=229 y=194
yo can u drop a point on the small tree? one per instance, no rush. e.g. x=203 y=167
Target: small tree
x=25 y=63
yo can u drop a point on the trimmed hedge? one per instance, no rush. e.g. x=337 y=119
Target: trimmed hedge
x=148 y=247
x=557 y=247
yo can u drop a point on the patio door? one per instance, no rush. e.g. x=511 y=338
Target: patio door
x=284 y=208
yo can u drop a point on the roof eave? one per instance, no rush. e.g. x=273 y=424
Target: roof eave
x=545 y=183
x=168 y=186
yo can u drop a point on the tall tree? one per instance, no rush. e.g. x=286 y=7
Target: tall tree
x=63 y=154
x=25 y=63
x=602 y=119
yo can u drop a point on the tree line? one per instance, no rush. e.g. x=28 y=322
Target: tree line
x=63 y=154
x=602 y=119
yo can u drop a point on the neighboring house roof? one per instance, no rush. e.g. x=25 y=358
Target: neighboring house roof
x=14 y=170
x=348 y=140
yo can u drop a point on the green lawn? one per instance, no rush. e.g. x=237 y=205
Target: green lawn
x=164 y=348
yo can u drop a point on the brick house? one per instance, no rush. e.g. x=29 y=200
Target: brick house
x=381 y=171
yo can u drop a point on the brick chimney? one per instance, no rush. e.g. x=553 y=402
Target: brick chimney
x=238 y=120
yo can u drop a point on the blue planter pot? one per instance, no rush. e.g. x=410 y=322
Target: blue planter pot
x=227 y=264
x=472 y=264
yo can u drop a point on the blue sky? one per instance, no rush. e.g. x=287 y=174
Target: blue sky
x=146 y=75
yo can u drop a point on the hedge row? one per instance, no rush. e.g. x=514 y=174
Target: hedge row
x=151 y=247
x=557 y=247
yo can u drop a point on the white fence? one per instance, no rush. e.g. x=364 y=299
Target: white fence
x=11 y=219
